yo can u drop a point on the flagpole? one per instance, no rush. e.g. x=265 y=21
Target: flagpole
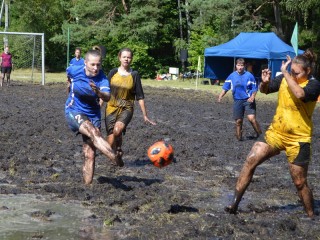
x=198 y=67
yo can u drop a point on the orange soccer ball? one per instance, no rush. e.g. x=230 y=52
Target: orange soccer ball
x=160 y=153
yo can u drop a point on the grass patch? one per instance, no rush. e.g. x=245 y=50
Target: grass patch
x=180 y=84
x=192 y=84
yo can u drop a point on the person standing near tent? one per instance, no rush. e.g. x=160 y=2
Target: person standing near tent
x=244 y=89
x=290 y=130
x=126 y=87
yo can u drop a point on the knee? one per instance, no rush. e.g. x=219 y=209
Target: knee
x=251 y=118
x=117 y=131
x=300 y=183
x=255 y=153
x=239 y=122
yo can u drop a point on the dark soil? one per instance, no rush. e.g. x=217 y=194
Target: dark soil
x=185 y=200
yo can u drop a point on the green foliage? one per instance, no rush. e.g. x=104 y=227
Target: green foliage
x=306 y=38
x=40 y=16
x=152 y=29
x=199 y=40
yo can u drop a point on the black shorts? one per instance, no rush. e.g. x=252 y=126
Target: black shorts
x=6 y=69
x=121 y=115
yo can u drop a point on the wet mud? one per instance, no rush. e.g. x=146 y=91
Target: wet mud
x=185 y=200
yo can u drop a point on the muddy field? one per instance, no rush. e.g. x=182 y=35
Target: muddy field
x=40 y=155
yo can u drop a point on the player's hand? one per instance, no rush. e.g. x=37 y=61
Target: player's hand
x=265 y=75
x=285 y=65
x=94 y=87
x=250 y=99
x=147 y=120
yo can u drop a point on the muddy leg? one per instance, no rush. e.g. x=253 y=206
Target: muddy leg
x=89 y=162
x=117 y=132
x=252 y=119
x=258 y=154
x=112 y=140
x=98 y=141
x=239 y=129
x=8 y=79
x=299 y=177
x=2 y=79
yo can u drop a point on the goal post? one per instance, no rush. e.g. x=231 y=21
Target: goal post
x=28 y=53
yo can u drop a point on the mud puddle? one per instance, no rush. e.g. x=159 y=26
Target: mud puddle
x=27 y=216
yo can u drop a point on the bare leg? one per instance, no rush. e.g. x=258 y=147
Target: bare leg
x=98 y=141
x=252 y=119
x=2 y=79
x=110 y=140
x=89 y=161
x=239 y=129
x=117 y=133
x=258 y=154
x=299 y=177
x=8 y=79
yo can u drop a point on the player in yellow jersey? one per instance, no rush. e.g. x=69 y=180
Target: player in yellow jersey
x=125 y=87
x=290 y=130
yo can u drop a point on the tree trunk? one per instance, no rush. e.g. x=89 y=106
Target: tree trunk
x=276 y=10
x=188 y=21
x=180 y=20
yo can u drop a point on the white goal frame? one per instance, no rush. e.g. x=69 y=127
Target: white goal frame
x=42 y=50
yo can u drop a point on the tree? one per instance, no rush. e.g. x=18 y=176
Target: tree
x=158 y=29
x=40 y=16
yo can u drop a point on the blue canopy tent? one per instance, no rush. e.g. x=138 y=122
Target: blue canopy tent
x=261 y=49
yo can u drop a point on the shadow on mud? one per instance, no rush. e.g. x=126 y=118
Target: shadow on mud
x=174 y=209
x=118 y=182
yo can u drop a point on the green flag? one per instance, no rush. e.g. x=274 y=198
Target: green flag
x=294 y=39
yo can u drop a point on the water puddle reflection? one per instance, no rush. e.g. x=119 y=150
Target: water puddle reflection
x=33 y=217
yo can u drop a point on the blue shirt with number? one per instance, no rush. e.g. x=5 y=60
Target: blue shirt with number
x=82 y=99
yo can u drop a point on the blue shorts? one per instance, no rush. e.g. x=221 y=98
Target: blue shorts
x=241 y=106
x=75 y=119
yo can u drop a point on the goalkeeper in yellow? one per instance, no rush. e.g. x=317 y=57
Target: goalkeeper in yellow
x=290 y=130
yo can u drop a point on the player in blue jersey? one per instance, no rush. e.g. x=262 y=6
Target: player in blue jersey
x=77 y=60
x=244 y=89
x=88 y=84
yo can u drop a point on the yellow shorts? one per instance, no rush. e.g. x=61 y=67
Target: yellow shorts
x=298 y=153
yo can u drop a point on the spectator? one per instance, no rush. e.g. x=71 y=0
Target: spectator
x=6 y=65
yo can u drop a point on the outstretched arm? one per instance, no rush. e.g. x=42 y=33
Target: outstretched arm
x=144 y=112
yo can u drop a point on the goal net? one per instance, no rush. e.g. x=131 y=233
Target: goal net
x=27 y=51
